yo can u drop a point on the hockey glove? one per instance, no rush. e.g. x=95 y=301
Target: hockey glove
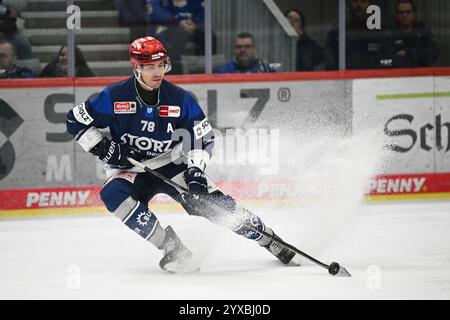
x=113 y=154
x=196 y=180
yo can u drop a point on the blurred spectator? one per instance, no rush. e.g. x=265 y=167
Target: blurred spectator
x=412 y=42
x=179 y=25
x=9 y=69
x=133 y=15
x=9 y=11
x=309 y=53
x=245 y=59
x=58 y=67
x=187 y=14
x=365 y=49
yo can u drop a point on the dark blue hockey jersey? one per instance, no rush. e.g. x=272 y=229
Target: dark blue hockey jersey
x=146 y=128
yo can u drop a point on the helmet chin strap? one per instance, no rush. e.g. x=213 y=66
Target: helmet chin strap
x=138 y=76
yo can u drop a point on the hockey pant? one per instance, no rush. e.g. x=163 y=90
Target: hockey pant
x=126 y=195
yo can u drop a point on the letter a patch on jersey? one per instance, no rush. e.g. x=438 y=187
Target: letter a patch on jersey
x=169 y=111
x=124 y=107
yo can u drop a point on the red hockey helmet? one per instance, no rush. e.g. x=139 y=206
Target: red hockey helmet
x=148 y=50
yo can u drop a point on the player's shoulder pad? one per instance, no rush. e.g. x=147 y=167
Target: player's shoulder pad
x=122 y=87
x=118 y=91
x=172 y=90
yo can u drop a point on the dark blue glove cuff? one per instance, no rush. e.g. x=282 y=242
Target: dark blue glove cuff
x=196 y=180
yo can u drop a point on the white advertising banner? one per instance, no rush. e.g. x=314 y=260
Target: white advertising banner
x=412 y=114
x=442 y=123
x=37 y=151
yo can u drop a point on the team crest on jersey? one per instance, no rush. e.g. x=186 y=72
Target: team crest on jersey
x=125 y=107
x=169 y=111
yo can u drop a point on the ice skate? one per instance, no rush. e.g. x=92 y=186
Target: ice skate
x=282 y=253
x=177 y=258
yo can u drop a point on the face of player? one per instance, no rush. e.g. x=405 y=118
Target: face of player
x=405 y=14
x=153 y=73
x=7 y=56
x=244 y=51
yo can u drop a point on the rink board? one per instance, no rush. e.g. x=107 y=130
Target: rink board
x=39 y=152
x=86 y=200
x=413 y=116
x=410 y=109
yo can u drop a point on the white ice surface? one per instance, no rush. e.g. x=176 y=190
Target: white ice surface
x=393 y=251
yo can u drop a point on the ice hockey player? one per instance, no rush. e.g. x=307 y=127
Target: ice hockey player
x=159 y=124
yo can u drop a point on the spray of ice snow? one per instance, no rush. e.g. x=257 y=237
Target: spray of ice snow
x=328 y=174
x=331 y=176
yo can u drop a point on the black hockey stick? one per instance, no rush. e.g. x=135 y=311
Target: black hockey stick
x=334 y=268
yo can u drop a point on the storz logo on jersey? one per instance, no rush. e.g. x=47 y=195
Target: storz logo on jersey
x=125 y=107
x=169 y=111
x=146 y=144
x=81 y=114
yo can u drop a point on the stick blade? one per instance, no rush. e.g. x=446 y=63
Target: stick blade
x=135 y=163
x=343 y=273
x=336 y=270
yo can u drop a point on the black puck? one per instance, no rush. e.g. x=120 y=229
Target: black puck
x=334 y=268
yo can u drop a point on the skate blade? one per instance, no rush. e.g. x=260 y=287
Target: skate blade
x=181 y=267
x=296 y=261
x=293 y=263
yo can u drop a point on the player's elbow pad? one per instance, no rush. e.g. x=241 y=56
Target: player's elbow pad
x=89 y=138
x=198 y=158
